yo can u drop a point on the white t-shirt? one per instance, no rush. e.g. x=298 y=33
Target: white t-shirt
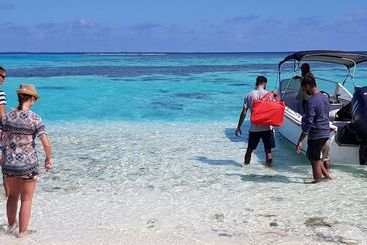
x=2 y=98
x=257 y=93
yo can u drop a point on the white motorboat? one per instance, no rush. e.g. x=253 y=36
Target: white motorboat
x=348 y=108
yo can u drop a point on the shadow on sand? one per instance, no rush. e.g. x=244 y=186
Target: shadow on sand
x=217 y=161
x=358 y=171
x=283 y=153
x=269 y=178
x=230 y=134
x=285 y=160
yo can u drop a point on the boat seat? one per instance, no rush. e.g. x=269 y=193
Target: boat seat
x=293 y=101
x=334 y=108
x=332 y=114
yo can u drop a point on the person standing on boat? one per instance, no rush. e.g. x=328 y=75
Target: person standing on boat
x=306 y=70
x=256 y=132
x=302 y=95
x=315 y=125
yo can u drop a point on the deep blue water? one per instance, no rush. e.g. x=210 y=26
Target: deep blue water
x=141 y=87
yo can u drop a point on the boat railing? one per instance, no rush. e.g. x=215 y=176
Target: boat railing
x=335 y=89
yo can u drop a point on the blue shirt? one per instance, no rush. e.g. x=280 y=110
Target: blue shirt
x=315 y=121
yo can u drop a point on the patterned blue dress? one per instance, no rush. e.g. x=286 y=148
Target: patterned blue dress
x=20 y=128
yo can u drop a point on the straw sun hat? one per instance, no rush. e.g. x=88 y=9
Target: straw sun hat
x=28 y=89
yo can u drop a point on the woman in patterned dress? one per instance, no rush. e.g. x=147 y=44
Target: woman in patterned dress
x=19 y=129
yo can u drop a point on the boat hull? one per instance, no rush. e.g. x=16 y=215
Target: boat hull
x=291 y=131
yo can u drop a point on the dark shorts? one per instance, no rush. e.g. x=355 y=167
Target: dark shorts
x=24 y=172
x=314 y=147
x=266 y=136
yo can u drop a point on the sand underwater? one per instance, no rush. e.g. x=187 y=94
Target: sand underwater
x=184 y=183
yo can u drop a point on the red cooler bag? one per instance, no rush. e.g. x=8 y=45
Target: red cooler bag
x=268 y=110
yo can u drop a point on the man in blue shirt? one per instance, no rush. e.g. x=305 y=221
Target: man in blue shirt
x=256 y=132
x=315 y=125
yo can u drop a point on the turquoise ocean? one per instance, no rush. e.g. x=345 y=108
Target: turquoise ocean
x=145 y=153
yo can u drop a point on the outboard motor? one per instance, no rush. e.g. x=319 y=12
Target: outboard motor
x=359 y=113
x=359 y=120
x=355 y=133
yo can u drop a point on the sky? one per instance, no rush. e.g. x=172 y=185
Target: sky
x=182 y=26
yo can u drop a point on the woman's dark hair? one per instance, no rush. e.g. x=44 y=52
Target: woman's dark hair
x=23 y=98
x=308 y=80
x=261 y=80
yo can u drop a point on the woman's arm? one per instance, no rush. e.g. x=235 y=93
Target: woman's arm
x=47 y=148
x=2 y=110
x=1 y=148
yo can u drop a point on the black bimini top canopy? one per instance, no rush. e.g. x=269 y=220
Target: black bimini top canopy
x=349 y=59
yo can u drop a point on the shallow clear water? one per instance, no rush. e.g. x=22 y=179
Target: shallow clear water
x=187 y=180
x=154 y=155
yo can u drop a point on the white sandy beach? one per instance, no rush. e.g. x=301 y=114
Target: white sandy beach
x=151 y=183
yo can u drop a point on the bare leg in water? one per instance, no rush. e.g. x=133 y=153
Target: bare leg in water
x=268 y=157
x=317 y=171
x=248 y=156
x=24 y=189
x=13 y=197
x=325 y=153
x=327 y=165
x=5 y=187
x=325 y=171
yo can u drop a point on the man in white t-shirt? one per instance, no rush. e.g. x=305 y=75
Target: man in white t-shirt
x=256 y=132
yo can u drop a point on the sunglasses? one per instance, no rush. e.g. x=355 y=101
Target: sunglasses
x=1 y=75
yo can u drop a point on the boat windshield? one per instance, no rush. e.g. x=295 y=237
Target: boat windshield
x=332 y=79
x=327 y=75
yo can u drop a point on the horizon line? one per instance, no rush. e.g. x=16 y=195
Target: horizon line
x=137 y=52
x=150 y=52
